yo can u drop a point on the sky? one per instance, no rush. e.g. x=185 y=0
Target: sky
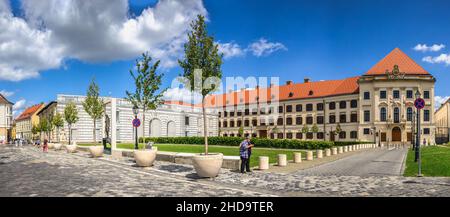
x=51 y=47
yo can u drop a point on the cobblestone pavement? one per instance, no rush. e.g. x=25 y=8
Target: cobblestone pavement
x=372 y=162
x=29 y=172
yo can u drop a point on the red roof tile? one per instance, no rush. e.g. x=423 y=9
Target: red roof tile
x=3 y=100
x=397 y=57
x=29 y=112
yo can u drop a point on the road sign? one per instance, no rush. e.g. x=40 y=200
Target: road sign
x=136 y=122
x=419 y=103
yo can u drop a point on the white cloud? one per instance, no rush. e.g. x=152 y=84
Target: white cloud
x=6 y=93
x=443 y=58
x=90 y=31
x=262 y=47
x=426 y=48
x=18 y=107
x=182 y=94
x=438 y=100
x=230 y=50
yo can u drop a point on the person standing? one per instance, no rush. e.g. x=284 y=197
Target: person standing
x=45 y=146
x=243 y=149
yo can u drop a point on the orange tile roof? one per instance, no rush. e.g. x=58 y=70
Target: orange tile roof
x=29 y=112
x=3 y=100
x=286 y=92
x=397 y=57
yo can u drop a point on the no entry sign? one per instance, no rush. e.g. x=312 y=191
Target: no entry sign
x=419 y=103
x=136 y=122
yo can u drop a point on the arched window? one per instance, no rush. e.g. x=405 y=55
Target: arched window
x=383 y=114
x=409 y=113
x=396 y=115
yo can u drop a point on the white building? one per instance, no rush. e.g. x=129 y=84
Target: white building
x=5 y=119
x=171 y=119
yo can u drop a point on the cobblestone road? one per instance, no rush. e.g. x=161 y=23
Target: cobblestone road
x=29 y=172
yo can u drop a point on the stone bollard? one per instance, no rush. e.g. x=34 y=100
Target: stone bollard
x=309 y=156
x=340 y=150
x=282 y=160
x=263 y=163
x=345 y=148
x=297 y=157
x=319 y=154
x=334 y=151
x=351 y=148
x=327 y=152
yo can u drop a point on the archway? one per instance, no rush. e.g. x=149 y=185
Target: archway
x=171 y=130
x=396 y=134
x=155 y=128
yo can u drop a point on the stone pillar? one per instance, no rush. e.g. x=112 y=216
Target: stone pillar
x=309 y=156
x=263 y=163
x=282 y=160
x=319 y=154
x=297 y=157
x=340 y=150
x=327 y=152
x=334 y=151
x=345 y=148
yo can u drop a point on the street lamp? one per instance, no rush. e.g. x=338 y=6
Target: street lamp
x=418 y=132
x=136 y=112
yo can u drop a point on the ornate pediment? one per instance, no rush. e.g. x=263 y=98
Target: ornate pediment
x=395 y=73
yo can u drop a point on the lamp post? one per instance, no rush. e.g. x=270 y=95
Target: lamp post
x=374 y=131
x=417 y=153
x=136 y=112
x=413 y=132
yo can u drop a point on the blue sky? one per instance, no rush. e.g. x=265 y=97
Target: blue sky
x=295 y=39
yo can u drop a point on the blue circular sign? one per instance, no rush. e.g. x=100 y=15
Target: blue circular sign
x=419 y=103
x=136 y=122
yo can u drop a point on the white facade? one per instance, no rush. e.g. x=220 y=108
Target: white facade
x=169 y=120
x=5 y=121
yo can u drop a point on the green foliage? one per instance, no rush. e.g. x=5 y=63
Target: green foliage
x=35 y=129
x=44 y=125
x=241 y=131
x=315 y=129
x=93 y=105
x=71 y=114
x=58 y=120
x=305 y=129
x=235 y=141
x=338 y=128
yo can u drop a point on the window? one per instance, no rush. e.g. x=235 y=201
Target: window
x=239 y=113
x=426 y=94
x=319 y=119
x=342 y=135
x=272 y=135
x=366 y=131
x=353 y=135
x=396 y=115
x=289 y=121
x=354 y=104
x=343 y=118
x=309 y=120
x=288 y=135
x=262 y=111
x=262 y=122
x=332 y=106
x=409 y=94
x=354 y=117
x=246 y=123
x=319 y=106
x=239 y=123
x=280 y=109
x=299 y=135
x=396 y=94
x=299 y=108
x=231 y=114
x=383 y=114
x=254 y=122
x=289 y=108
x=309 y=107
x=382 y=94
x=426 y=131
x=186 y=121
x=309 y=135
x=319 y=135
x=247 y=111
x=280 y=135
x=342 y=104
x=366 y=95
x=299 y=120
x=426 y=115
x=409 y=114
x=366 y=116
x=332 y=119
x=225 y=114
x=280 y=121
x=254 y=111
x=225 y=124
x=231 y=123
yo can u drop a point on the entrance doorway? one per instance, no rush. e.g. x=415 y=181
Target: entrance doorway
x=396 y=134
x=262 y=134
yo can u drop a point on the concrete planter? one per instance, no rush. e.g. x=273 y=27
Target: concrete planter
x=340 y=150
x=208 y=166
x=327 y=152
x=297 y=157
x=57 y=146
x=334 y=151
x=282 y=160
x=50 y=145
x=71 y=148
x=263 y=162
x=319 y=154
x=145 y=158
x=96 y=151
x=309 y=156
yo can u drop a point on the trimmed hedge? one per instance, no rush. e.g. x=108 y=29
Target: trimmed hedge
x=235 y=141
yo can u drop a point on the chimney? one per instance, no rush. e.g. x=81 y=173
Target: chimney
x=306 y=80
x=289 y=82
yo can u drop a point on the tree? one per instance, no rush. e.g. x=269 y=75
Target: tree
x=44 y=126
x=338 y=129
x=305 y=129
x=147 y=83
x=93 y=105
x=201 y=55
x=71 y=117
x=35 y=130
x=58 y=122
x=241 y=131
x=315 y=128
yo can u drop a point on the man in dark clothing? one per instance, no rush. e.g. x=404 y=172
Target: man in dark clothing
x=244 y=153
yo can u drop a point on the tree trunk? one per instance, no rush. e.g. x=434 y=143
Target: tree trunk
x=143 y=125
x=205 y=128
x=70 y=134
x=95 y=136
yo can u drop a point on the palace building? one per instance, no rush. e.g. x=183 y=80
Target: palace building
x=442 y=120
x=376 y=106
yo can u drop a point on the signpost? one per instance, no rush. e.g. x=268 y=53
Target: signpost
x=419 y=104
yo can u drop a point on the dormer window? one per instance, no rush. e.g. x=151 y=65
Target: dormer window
x=291 y=94
x=311 y=92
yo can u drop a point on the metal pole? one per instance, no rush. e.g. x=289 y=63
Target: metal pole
x=136 y=137
x=418 y=145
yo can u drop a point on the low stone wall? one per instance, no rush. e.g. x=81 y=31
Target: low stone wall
x=229 y=162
